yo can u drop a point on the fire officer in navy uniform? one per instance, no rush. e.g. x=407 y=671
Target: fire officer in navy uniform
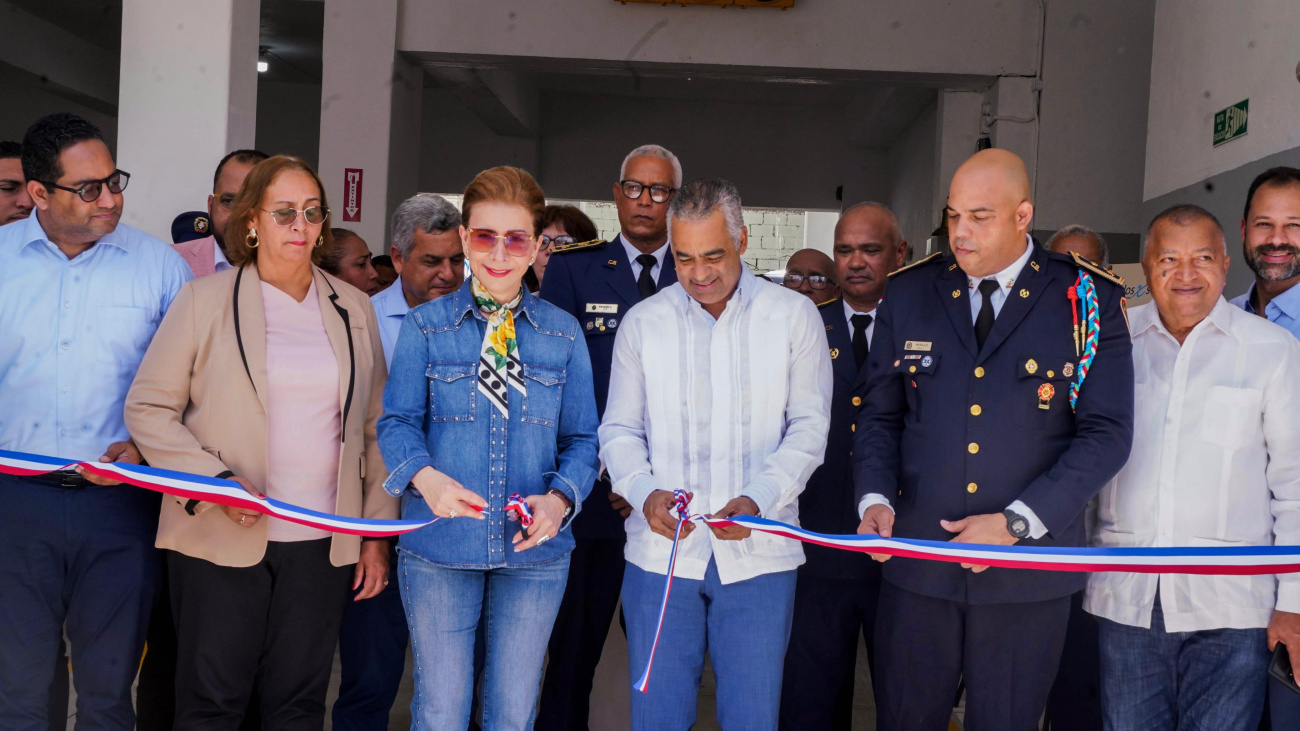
x=598 y=282
x=835 y=596
x=967 y=434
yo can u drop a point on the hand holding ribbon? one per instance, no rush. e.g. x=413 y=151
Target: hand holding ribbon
x=446 y=497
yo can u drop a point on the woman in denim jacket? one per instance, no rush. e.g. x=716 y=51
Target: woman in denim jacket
x=489 y=395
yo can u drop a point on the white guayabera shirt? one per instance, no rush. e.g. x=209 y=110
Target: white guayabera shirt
x=1215 y=462
x=736 y=406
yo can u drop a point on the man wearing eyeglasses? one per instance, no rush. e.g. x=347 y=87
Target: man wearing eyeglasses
x=207 y=255
x=812 y=274
x=80 y=298
x=835 y=596
x=598 y=282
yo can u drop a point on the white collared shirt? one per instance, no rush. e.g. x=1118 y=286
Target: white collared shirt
x=1215 y=462
x=1005 y=278
x=633 y=253
x=849 y=312
x=721 y=408
x=219 y=261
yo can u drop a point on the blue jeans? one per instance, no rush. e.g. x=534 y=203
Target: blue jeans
x=443 y=609
x=745 y=627
x=1152 y=680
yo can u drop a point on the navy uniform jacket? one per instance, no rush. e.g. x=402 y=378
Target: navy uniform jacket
x=827 y=503
x=594 y=283
x=947 y=431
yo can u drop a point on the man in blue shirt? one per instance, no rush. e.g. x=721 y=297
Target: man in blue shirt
x=430 y=262
x=1270 y=242
x=80 y=298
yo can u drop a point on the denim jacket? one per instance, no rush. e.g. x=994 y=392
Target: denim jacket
x=435 y=416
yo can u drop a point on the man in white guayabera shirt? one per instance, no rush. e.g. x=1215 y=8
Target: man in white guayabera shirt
x=721 y=385
x=1215 y=462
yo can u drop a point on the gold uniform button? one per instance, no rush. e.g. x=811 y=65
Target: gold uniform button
x=975 y=410
x=979 y=372
x=912 y=369
x=857 y=400
x=973 y=448
x=971 y=488
x=1051 y=374
x=853 y=427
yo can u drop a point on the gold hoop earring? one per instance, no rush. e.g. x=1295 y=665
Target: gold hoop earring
x=251 y=238
x=320 y=241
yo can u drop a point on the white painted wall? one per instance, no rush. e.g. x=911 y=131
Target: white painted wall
x=1208 y=55
x=934 y=36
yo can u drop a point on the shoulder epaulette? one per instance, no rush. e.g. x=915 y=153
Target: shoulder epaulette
x=1107 y=274
x=828 y=302
x=578 y=246
x=915 y=264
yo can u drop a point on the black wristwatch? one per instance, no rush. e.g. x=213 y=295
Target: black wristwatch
x=1017 y=524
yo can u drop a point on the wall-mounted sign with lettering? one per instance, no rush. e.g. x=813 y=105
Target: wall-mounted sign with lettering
x=1230 y=123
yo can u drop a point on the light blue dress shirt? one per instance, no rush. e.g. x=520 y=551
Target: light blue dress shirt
x=390 y=309
x=1283 y=310
x=73 y=332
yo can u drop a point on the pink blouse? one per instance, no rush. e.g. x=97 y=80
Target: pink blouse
x=304 y=410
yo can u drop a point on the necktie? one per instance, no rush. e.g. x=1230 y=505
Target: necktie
x=860 y=346
x=645 y=283
x=984 y=320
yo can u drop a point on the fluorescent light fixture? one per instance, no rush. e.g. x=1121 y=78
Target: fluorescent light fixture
x=262 y=66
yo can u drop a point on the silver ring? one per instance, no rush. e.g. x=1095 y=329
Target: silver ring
x=543 y=539
x=452 y=514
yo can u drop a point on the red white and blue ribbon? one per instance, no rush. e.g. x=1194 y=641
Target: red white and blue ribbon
x=1207 y=560
x=681 y=503
x=520 y=507
x=207 y=489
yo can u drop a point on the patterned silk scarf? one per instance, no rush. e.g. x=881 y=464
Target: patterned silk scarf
x=499 y=359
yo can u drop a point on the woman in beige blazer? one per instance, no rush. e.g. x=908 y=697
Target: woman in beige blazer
x=271 y=374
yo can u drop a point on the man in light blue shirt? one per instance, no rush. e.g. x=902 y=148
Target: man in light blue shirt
x=1270 y=242
x=80 y=299
x=430 y=262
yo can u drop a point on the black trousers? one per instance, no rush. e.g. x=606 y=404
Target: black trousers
x=821 y=660
x=1075 y=700
x=578 y=636
x=1006 y=654
x=272 y=626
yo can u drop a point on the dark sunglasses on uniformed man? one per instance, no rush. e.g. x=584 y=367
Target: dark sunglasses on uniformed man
x=90 y=190
x=484 y=240
x=633 y=190
x=286 y=216
x=816 y=281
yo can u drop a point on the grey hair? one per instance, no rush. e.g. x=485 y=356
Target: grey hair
x=425 y=212
x=698 y=199
x=654 y=151
x=1184 y=214
x=1082 y=231
x=895 y=229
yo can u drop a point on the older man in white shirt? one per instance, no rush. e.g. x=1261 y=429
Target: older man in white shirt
x=721 y=386
x=1215 y=462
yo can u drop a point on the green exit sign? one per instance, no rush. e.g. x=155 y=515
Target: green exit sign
x=1230 y=123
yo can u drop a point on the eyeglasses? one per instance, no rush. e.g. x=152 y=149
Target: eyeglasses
x=92 y=189
x=632 y=190
x=286 y=216
x=816 y=281
x=484 y=240
x=549 y=241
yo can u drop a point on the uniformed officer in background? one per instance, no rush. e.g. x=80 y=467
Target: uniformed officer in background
x=967 y=434
x=598 y=282
x=835 y=596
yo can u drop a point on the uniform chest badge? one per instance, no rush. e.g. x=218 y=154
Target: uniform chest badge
x=1045 y=394
x=600 y=309
x=835 y=353
x=1031 y=366
x=927 y=361
x=1068 y=370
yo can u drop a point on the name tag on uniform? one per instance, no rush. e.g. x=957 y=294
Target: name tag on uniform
x=922 y=345
x=602 y=309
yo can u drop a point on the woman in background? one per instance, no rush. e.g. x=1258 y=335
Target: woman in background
x=561 y=226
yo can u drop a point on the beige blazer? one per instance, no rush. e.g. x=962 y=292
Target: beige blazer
x=198 y=405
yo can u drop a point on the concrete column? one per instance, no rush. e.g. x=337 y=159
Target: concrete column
x=1013 y=102
x=371 y=102
x=187 y=96
x=958 y=132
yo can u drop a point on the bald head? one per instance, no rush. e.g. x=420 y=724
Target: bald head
x=812 y=273
x=989 y=212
